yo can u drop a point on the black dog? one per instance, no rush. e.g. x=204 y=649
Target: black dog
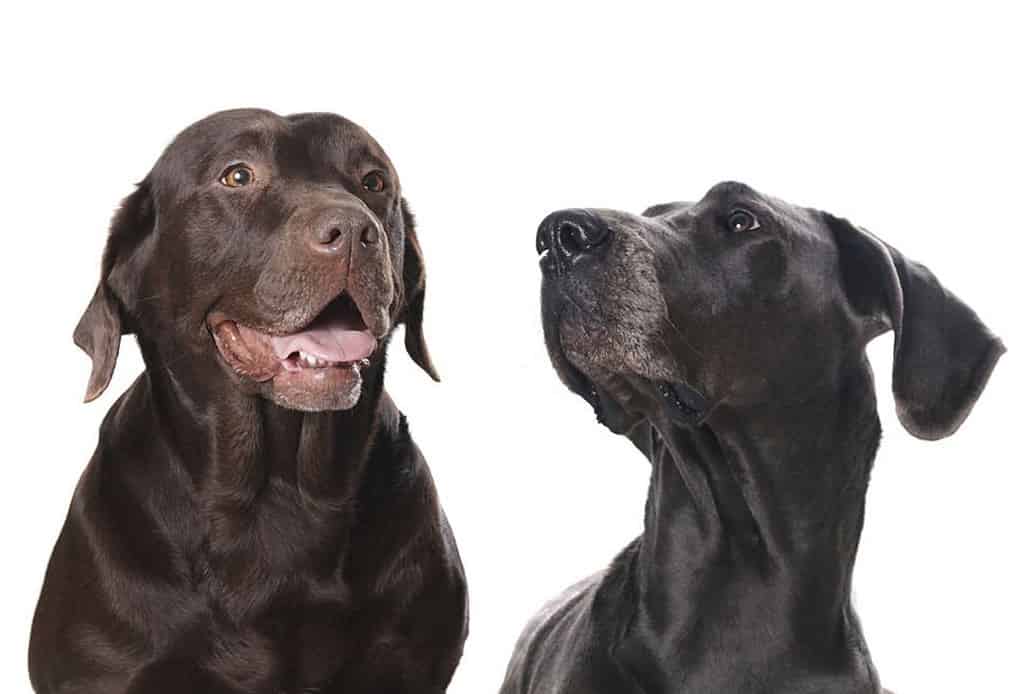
x=255 y=517
x=726 y=339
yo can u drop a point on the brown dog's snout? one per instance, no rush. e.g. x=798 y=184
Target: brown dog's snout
x=328 y=247
x=331 y=230
x=566 y=236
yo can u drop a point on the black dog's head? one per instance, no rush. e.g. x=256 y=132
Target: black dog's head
x=276 y=252
x=747 y=300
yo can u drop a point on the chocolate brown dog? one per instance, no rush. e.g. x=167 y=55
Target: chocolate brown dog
x=255 y=517
x=726 y=338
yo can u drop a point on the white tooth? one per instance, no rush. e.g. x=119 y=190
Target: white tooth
x=308 y=358
x=364 y=363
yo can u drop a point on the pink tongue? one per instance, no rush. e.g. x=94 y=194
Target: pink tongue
x=334 y=338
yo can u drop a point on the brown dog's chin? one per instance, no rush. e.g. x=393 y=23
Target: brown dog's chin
x=317 y=367
x=315 y=390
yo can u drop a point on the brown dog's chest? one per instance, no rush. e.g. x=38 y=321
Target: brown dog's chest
x=281 y=601
x=236 y=579
x=304 y=638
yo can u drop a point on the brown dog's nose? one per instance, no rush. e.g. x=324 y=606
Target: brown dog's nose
x=566 y=236
x=331 y=230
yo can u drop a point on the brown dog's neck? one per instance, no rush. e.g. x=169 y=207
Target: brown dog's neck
x=233 y=444
x=762 y=507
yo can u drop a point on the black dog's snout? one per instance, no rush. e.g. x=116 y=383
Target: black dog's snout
x=564 y=237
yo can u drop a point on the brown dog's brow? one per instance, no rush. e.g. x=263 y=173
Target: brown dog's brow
x=248 y=146
x=317 y=147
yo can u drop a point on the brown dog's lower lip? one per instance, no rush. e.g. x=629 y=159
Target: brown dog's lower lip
x=299 y=361
x=330 y=387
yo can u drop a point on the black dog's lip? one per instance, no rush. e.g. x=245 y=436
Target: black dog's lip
x=686 y=404
x=685 y=401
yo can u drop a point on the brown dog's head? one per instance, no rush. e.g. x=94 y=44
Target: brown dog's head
x=277 y=248
x=745 y=299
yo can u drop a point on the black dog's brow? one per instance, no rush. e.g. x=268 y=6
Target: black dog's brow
x=723 y=196
x=731 y=188
x=666 y=208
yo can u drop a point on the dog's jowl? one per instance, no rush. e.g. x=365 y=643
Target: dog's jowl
x=255 y=517
x=726 y=338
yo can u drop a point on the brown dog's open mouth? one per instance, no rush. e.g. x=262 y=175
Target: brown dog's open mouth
x=337 y=338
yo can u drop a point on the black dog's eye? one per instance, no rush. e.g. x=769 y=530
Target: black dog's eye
x=740 y=220
x=374 y=181
x=237 y=175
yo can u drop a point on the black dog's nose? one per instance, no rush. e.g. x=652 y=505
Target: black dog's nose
x=565 y=236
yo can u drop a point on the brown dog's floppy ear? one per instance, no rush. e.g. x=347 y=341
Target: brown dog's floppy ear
x=100 y=328
x=943 y=354
x=99 y=334
x=414 y=281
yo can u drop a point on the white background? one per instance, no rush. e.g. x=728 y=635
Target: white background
x=906 y=120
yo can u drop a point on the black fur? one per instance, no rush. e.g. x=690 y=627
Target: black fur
x=732 y=355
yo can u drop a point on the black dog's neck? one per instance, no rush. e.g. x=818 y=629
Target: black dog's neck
x=753 y=518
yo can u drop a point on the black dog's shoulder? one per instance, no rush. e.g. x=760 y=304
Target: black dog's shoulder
x=572 y=644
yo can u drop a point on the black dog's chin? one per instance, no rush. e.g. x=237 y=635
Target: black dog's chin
x=606 y=409
x=683 y=404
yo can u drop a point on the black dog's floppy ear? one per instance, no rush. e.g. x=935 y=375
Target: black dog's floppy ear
x=414 y=282
x=943 y=355
x=100 y=328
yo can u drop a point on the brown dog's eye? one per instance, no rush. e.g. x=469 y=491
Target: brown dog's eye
x=374 y=181
x=237 y=175
x=740 y=220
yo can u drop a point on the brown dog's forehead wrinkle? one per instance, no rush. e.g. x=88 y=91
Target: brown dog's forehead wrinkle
x=226 y=124
x=304 y=147
x=251 y=147
x=333 y=141
x=238 y=133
